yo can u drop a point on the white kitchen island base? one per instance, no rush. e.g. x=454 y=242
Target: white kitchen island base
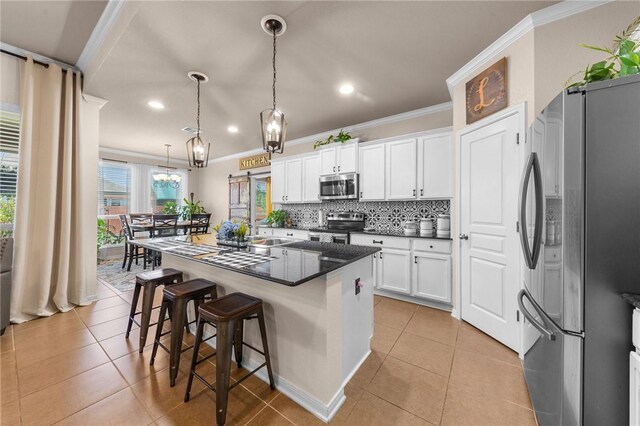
x=319 y=332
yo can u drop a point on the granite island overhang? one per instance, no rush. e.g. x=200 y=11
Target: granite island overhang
x=319 y=330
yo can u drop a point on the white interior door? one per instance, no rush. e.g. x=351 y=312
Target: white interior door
x=490 y=257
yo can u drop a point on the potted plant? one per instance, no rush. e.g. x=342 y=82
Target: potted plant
x=231 y=233
x=190 y=208
x=277 y=218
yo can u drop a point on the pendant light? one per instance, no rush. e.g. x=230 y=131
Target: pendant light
x=272 y=120
x=197 y=149
x=167 y=179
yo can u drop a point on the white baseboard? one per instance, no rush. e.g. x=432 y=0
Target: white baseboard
x=455 y=313
x=324 y=412
x=416 y=300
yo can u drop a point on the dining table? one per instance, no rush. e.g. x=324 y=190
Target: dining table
x=147 y=226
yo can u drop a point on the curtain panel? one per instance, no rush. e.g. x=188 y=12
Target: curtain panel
x=50 y=256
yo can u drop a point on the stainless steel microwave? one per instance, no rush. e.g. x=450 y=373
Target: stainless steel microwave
x=339 y=187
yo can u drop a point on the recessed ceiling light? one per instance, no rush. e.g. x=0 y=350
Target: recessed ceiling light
x=232 y=129
x=346 y=89
x=156 y=104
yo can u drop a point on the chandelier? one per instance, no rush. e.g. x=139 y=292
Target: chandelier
x=197 y=149
x=167 y=179
x=272 y=120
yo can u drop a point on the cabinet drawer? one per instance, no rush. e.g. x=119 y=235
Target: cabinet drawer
x=265 y=231
x=432 y=246
x=292 y=233
x=381 y=241
x=636 y=328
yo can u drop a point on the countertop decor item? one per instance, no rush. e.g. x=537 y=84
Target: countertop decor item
x=233 y=234
x=624 y=54
x=197 y=149
x=274 y=126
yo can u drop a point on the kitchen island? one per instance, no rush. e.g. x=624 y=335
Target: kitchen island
x=319 y=330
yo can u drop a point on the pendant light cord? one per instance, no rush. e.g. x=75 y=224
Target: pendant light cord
x=274 y=69
x=198 y=116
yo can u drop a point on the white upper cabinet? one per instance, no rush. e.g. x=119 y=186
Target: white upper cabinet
x=293 y=187
x=290 y=183
x=278 y=182
x=347 y=158
x=434 y=167
x=401 y=168
x=372 y=164
x=339 y=158
x=328 y=161
x=310 y=179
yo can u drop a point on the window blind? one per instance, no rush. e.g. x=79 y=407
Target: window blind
x=9 y=147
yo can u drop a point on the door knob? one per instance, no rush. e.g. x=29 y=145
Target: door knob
x=463 y=236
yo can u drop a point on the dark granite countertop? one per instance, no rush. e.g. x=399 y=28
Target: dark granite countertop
x=399 y=234
x=290 y=264
x=634 y=299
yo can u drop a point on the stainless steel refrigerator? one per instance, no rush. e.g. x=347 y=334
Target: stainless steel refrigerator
x=580 y=232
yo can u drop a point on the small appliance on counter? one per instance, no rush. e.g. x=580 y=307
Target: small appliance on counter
x=410 y=227
x=443 y=226
x=338 y=226
x=320 y=218
x=426 y=227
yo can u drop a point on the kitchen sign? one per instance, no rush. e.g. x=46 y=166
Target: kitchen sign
x=255 y=161
x=486 y=93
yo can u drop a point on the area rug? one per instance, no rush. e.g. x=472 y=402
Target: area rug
x=112 y=273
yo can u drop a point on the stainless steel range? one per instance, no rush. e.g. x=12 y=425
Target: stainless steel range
x=338 y=226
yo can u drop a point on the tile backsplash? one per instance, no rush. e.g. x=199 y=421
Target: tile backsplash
x=381 y=215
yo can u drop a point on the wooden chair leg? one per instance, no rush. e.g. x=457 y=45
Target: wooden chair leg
x=194 y=358
x=134 y=305
x=130 y=257
x=156 y=340
x=238 y=336
x=126 y=250
x=224 y=341
x=265 y=345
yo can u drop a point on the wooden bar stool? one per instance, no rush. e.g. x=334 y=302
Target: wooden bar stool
x=175 y=299
x=227 y=314
x=149 y=281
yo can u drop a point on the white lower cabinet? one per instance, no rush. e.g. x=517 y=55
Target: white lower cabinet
x=431 y=278
x=394 y=270
x=264 y=231
x=293 y=233
x=417 y=267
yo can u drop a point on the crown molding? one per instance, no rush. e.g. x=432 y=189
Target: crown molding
x=100 y=32
x=447 y=106
x=94 y=100
x=134 y=154
x=541 y=17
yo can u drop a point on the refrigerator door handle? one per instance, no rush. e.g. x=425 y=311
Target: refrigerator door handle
x=531 y=256
x=540 y=327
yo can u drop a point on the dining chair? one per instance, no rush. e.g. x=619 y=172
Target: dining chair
x=199 y=223
x=139 y=218
x=132 y=251
x=164 y=225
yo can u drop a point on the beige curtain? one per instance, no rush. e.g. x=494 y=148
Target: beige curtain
x=49 y=263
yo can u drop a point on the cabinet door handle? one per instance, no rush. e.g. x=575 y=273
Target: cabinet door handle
x=378 y=242
x=289 y=235
x=360 y=194
x=415 y=259
x=339 y=170
x=375 y=256
x=283 y=198
x=414 y=192
x=334 y=169
x=421 y=192
x=380 y=255
x=286 y=197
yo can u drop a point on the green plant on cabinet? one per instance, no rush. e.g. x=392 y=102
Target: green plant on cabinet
x=341 y=138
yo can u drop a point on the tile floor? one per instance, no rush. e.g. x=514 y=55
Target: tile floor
x=425 y=368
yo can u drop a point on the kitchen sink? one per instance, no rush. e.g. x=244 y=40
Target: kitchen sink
x=259 y=241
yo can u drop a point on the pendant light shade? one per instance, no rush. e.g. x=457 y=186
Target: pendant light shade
x=197 y=148
x=274 y=128
x=272 y=121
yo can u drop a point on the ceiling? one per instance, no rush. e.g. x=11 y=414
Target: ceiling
x=397 y=55
x=56 y=29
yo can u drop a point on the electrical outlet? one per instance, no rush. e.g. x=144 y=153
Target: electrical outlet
x=358 y=285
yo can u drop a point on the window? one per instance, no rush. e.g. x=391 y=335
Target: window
x=114 y=194
x=161 y=195
x=9 y=147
